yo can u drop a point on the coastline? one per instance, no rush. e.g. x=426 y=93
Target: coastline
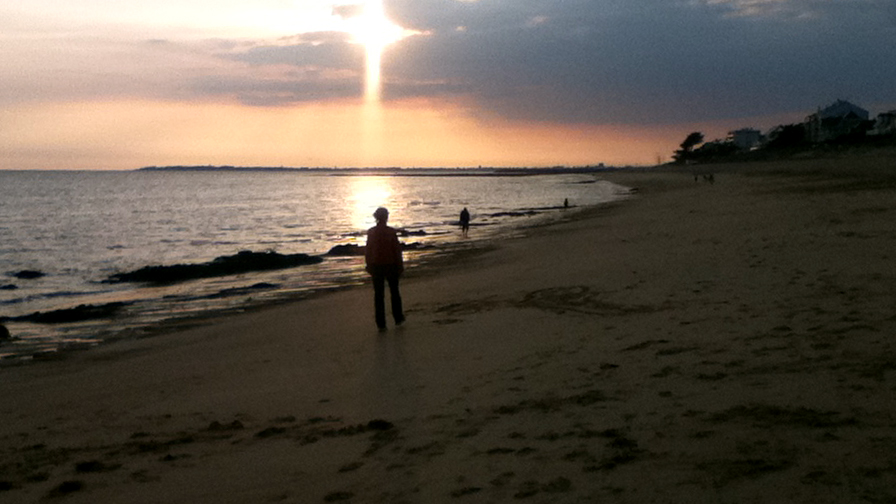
x=76 y=298
x=724 y=342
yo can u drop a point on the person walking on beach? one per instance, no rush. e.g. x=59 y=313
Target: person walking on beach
x=464 y=221
x=385 y=264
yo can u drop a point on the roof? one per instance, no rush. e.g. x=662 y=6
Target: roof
x=842 y=108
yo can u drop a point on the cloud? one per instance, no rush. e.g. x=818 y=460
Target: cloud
x=571 y=61
x=792 y=9
x=348 y=11
x=644 y=61
x=321 y=49
x=587 y=61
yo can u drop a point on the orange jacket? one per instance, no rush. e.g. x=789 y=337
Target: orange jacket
x=383 y=247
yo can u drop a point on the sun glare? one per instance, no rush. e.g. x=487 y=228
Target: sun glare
x=368 y=193
x=375 y=32
x=373 y=29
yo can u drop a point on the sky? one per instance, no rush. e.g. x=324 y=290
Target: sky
x=120 y=84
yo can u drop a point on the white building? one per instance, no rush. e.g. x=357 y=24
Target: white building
x=745 y=138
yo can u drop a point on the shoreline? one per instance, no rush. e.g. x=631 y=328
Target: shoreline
x=437 y=259
x=725 y=342
x=126 y=308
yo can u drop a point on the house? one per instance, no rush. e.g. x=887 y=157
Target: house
x=885 y=124
x=745 y=138
x=834 y=121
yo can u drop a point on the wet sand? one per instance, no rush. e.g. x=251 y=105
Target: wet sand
x=724 y=342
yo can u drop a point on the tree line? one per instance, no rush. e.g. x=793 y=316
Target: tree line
x=781 y=141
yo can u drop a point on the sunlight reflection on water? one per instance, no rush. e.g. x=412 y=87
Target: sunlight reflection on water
x=368 y=193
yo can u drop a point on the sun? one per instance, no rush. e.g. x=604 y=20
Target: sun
x=373 y=29
x=375 y=32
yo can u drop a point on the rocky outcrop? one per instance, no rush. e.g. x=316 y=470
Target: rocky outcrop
x=243 y=262
x=346 y=250
x=29 y=274
x=243 y=291
x=350 y=250
x=79 y=313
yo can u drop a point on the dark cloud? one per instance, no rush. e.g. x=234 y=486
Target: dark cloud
x=319 y=49
x=300 y=68
x=645 y=61
x=294 y=88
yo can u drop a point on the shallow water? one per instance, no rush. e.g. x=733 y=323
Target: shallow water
x=81 y=227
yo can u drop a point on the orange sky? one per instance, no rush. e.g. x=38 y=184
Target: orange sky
x=413 y=132
x=345 y=133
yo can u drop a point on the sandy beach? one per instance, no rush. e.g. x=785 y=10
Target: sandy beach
x=699 y=342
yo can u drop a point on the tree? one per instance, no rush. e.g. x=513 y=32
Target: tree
x=789 y=136
x=715 y=151
x=687 y=147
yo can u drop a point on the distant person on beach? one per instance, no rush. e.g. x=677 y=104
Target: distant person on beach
x=385 y=264
x=464 y=221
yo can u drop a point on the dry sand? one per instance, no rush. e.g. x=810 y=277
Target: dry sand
x=726 y=342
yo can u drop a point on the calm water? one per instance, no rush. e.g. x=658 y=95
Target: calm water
x=81 y=227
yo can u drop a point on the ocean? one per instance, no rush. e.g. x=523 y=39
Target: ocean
x=76 y=229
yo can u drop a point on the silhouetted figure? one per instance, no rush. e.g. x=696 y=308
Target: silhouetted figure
x=566 y=203
x=385 y=264
x=464 y=221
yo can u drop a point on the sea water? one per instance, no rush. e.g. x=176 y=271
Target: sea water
x=79 y=228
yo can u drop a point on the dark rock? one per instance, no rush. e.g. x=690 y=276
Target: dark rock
x=347 y=250
x=558 y=485
x=380 y=425
x=9 y=287
x=242 y=291
x=4 y=333
x=95 y=466
x=338 y=496
x=524 y=213
x=66 y=487
x=218 y=426
x=465 y=491
x=270 y=431
x=416 y=246
x=37 y=477
x=243 y=262
x=29 y=274
x=76 y=314
x=405 y=232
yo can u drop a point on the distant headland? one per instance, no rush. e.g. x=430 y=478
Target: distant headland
x=220 y=168
x=393 y=171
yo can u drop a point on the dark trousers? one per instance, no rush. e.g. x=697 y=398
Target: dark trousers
x=381 y=275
